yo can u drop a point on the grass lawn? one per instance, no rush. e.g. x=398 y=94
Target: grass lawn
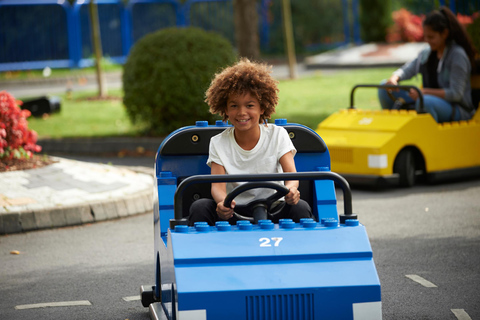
x=82 y=117
x=307 y=101
x=310 y=100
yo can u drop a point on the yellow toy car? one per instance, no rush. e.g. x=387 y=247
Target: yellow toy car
x=396 y=146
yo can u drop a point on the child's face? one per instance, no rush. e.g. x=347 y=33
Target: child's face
x=244 y=111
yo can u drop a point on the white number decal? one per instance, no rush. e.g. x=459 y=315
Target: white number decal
x=265 y=242
x=277 y=241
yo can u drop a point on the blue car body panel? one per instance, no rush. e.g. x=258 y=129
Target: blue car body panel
x=317 y=270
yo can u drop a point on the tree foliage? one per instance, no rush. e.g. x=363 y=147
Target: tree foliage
x=167 y=73
x=374 y=20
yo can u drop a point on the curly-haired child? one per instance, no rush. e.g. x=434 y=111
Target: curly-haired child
x=246 y=95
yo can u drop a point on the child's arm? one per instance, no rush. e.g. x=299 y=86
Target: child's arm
x=219 y=192
x=288 y=165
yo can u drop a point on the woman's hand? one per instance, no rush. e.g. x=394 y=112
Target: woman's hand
x=413 y=94
x=223 y=212
x=293 y=196
x=393 y=80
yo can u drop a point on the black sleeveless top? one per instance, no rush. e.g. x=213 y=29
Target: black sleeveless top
x=430 y=75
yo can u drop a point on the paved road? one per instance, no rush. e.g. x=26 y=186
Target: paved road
x=431 y=232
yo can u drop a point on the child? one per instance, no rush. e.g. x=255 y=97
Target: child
x=246 y=95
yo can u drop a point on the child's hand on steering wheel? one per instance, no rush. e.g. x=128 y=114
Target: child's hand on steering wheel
x=293 y=196
x=223 y=212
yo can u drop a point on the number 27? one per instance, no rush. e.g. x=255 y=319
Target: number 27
x=265 y=242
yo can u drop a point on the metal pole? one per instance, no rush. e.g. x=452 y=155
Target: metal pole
x=290 y=45
x=97 y=47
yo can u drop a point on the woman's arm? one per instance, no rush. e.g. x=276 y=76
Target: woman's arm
x=288 y=165
x=219 y=192
x=459 y=68
x=408 y=70
x=431 y=91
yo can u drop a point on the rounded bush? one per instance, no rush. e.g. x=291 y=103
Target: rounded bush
x=166 y=76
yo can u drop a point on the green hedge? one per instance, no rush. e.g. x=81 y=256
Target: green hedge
x=375 y=18
x=166 y=75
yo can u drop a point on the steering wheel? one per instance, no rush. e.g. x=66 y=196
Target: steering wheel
x=260 y=209
x=399 y=103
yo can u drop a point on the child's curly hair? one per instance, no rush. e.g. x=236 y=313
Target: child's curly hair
x=244 y=76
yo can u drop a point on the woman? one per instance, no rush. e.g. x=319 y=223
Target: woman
x=445 y=67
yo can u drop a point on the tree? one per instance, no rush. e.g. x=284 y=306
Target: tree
x=374 y=20
x=246 y=28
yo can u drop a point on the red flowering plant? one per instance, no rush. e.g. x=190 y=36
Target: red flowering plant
x=16 y=140
x=407 y=27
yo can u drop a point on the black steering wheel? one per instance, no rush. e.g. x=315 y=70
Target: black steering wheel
x=400 y=103
x=260 y=209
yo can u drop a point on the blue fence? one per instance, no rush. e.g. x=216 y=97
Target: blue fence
x=39 y=33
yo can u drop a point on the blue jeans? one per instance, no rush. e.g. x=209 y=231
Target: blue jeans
x=440 y=109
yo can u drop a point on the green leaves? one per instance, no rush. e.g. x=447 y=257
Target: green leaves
x=167 y=73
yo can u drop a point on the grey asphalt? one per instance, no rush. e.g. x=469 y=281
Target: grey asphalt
x=431 y=231
x=71 y=192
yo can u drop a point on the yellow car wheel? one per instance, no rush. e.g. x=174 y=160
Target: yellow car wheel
x=405 y=167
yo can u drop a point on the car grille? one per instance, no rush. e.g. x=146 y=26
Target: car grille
x=343 y=155
x=284 y=307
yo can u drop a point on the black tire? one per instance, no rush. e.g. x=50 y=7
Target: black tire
x=405 y=167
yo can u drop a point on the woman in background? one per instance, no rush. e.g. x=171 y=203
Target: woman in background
x=445 y=67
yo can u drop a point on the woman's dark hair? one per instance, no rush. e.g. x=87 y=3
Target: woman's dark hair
x=442 y=19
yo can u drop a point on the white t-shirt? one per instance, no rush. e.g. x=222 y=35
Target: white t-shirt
x=265 y=157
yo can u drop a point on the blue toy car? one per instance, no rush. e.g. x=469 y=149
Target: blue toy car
x=320 y=269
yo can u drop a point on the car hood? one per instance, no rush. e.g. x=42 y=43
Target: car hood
x=360 y=128
x=367 y=120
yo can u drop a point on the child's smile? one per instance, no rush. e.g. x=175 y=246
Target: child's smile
x=244 y=111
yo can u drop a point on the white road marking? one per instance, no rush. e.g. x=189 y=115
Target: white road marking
x=54 y=304
x=421 y=280
x=461 y=314
x=131 y=298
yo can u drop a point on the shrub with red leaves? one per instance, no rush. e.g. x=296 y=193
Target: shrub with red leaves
x=16 y=140
x=407 y=27
x=466 y=20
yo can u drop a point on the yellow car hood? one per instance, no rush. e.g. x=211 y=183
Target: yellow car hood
x=363 y=128
x=366 y=120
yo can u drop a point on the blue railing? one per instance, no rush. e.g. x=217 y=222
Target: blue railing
x=35 y=34
x=39 y=33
